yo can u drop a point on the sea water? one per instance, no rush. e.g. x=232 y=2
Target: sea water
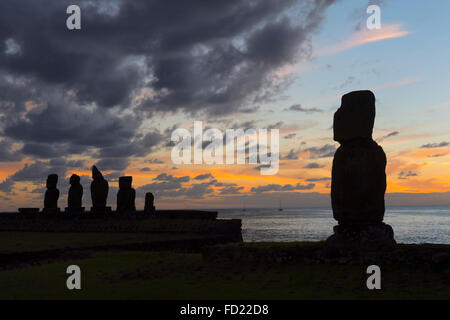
x=410 y=224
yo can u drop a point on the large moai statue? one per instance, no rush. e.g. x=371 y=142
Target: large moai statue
x=126 y=196
x=358 y=174
x=149 y=206
x=75 y=196
x=51 y=194
x=99 y=192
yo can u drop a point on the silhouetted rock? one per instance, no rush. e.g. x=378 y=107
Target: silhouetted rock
x=52 y=193
x=356 y=116
x=126 y=196
x=75 y=196
x=149 y=206
x=358 y=174
x=99 y=189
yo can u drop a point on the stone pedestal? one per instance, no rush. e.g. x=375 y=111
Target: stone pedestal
x=101 y=211
x=74 y=211
x=29 y=212
x=51 y=211
x=374 y=235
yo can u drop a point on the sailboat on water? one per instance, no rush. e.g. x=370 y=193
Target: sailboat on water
x=280 y=208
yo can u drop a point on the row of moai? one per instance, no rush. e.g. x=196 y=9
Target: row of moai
x=99 y=193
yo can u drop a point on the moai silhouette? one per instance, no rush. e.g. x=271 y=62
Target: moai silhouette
x=99 y=192
x=126 y=196
x=149 y=207
x=51 y=194
x=75 y=196
x=358 y=174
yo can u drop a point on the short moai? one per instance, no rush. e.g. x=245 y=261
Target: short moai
x=51 y=194
x=149 y=207
x=126 y=196
x=99 y=192
x=75 y=196
x=358 y=175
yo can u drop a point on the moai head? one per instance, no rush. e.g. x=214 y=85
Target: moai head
x=52 y=181
x=355 y=117
x=149 y=198
x=74 y=180
x=125 y=182
x=96 y=174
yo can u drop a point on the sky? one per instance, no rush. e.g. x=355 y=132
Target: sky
x=112 y=93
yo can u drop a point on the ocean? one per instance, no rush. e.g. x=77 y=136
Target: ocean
x=410 y=224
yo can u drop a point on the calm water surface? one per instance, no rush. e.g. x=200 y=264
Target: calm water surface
x=411 y=224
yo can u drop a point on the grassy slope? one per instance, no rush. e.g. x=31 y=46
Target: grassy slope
x=168 y=275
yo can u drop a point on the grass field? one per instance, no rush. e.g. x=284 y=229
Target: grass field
x=170 y=275
x=177 y=274
x=12 y=242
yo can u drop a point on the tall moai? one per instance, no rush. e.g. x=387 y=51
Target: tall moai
x=126 y=196
x=51 y=194
x=75 y=196
x=99 y=192
x=358 y=175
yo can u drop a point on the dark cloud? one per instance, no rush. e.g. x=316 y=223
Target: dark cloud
x=146 y=169
x=88 y=92
x=275 y=125
x=110 y=57
x=279 y=187
x=437 y=155
x=405 y=175
x=204 y=176
x=113 y=164
x=155 y=161
x=314 y=165
x=231 y=190
x=325 y=151
x=299 y=108
x=37 y=172
x=6 y=185
x=171 y=178
x=318 y=179
x=290 y=135
x=435 y=145
x=7 y=153
x=390 y=134
x=292 y=155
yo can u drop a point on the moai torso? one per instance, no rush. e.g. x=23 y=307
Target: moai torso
x=126 y=196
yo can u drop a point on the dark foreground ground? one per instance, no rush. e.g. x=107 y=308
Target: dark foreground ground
x=161 y=266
